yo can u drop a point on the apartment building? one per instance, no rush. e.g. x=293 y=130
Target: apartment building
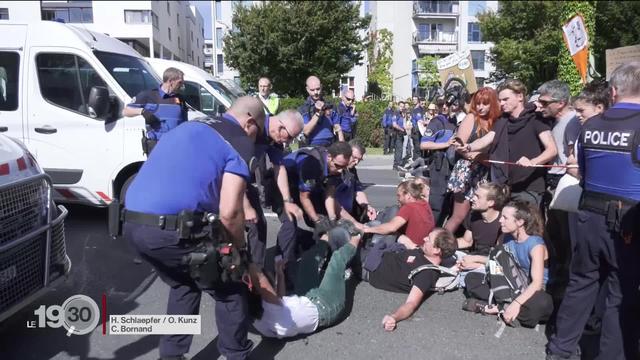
x=439 y=28
x=163 y=29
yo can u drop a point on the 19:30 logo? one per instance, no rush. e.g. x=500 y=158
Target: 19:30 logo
x=79 y=315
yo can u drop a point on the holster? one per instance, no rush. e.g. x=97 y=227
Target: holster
x=148 y=145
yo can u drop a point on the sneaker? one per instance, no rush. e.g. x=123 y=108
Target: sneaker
x=474 y=305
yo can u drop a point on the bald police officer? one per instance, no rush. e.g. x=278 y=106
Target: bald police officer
x=192 y=171
x=607 y=244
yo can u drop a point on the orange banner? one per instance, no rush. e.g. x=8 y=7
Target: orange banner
x=576 y=38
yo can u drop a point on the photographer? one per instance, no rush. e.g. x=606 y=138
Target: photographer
x=318 y=128
x=200 y=162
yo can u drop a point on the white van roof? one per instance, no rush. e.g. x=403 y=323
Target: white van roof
x=188 y=69
x=51 y=33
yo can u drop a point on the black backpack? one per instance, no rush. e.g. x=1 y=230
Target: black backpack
x=506 y=278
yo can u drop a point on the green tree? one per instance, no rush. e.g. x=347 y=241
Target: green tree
x=290 y=40
x=380 y=53
x=528 y=36
x=428 y=75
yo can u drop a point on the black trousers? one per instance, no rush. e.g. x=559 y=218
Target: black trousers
x=389 y=141
x=397 y=156
x=165 y=251
x=256 y=232
x=538 y=308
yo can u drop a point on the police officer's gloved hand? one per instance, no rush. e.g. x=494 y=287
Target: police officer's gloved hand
x=150 y=119
x=322 y=226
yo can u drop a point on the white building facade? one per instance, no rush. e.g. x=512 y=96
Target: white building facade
x=439 y=28
x=164 y=29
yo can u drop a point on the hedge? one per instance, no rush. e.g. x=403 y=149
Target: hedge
x=369 y=127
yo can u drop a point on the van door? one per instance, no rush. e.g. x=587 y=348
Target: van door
x=12 y=85
x=77 y=147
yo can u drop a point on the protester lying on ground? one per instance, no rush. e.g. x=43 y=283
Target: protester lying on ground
x=469 y=171
x=414 y=220
x=527 y=302
x=390 y=270
x=282 y=316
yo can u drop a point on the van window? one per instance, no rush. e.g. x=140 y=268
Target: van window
x=201 y=99
x=66 y=80
x=9 y=68
x=132 y=73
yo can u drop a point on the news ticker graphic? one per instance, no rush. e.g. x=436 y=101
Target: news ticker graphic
x=80 y=315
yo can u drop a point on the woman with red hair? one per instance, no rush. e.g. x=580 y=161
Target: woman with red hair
x=469 y=171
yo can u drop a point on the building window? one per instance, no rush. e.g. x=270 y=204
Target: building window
x=202 y=31
x=220 y=64
x=169 y=31
x=68 y=14
x=474 y=32
x=154 y=20
x=477 y=7
x=168 y=8
x=347 y=83
x=179 y=44
x=178 y=19
x=137 y=16
x=219 y=35
x=478 y=59
x=191 y=35
x=218 y=9
x=4 y=14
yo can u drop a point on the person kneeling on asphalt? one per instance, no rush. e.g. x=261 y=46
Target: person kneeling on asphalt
x=390 y=270
x=324 y=297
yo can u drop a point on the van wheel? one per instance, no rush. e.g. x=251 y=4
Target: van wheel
x=125 y=187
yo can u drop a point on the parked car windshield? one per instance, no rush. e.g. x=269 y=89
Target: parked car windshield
x=132 y=73
x=222 y=90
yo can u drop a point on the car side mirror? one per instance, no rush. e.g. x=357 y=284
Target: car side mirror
x=98 y=101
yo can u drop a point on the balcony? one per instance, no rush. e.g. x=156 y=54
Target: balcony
x=435 y=9
x=440 y=42
x=439 y=37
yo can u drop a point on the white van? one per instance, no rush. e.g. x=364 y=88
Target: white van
x=33 y=254
x=62 y=92
x=201 y=90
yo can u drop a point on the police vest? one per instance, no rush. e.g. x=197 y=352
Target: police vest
x=610 y=150
x=235 y=136
x=170 y=111
x=319 y=153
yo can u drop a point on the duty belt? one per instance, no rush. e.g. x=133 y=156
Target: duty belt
x=166 y=222
x=601 y=203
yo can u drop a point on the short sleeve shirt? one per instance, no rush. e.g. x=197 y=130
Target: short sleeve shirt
x=393 y=272
x=485 y=235
x=419 y=219
x=184 y=172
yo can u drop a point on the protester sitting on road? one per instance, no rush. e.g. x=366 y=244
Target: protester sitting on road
x=483 y=230
x=522 y=225
x=469 y=171
x=321 y=306
x=390 y=270
x=414 y=219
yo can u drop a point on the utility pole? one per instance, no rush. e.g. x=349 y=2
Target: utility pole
x=214 y=45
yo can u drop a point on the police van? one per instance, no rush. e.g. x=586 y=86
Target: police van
x=33 y=255
x=62 y=92
x=201 y=90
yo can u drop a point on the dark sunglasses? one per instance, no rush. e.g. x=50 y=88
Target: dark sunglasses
x=349 y=99
x=546 y=103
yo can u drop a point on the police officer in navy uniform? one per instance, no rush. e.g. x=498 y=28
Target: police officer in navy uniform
x=438 y=137
x=195 y=169
x=318 y=127
x=160 y=119
x=607 y=244
x=279 y=130
x=310 y=171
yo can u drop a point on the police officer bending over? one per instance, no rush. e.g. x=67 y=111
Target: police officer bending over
x=190 y=174
x=162 y=108
x=607 y=242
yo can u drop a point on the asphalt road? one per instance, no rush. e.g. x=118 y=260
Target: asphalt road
x=101 y=265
